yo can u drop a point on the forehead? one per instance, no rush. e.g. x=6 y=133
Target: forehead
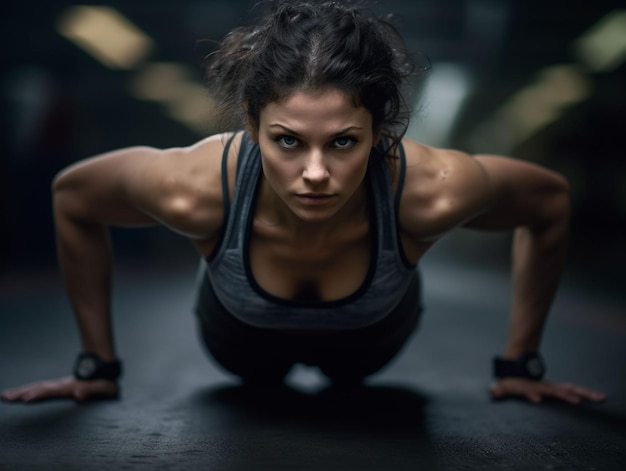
x=328 y=108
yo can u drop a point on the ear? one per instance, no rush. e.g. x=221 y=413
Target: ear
x=252 y=128
x=376 y=137
x=253 y=132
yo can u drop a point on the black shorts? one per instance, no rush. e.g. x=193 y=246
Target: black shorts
x=259 y=354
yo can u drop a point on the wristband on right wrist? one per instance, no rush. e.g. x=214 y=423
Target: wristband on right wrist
x=89 y=367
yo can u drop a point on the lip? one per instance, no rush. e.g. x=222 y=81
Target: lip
x=314 y=198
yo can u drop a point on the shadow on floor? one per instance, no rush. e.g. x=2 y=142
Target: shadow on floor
x=379 y=408
x=370 y=427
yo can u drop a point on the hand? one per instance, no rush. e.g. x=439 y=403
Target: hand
x=67 y=387
x=536 y=391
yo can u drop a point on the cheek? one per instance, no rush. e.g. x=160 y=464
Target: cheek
x=356 y=170
x=275 y=170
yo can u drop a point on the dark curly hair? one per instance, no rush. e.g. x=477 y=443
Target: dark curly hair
x=308 y=45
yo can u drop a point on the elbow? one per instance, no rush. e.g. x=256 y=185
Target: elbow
x=59 y=188
x=562 y=198
x=562 y=184
x=66 y=201
x=553 y=219
x=60 y=182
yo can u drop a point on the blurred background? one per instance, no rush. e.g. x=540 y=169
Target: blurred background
x=541 y=80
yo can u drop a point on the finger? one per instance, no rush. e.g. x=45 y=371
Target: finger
x=537 y=391
x=42 y=391
x=496 y=391
x=588 y=394
x=36 y=394
x=15 y=394
x=576 y=394
x=566 y=395
x=595 y=396
x=48 y=390
x=534 y=396
x=19 y=394
x=9 y=395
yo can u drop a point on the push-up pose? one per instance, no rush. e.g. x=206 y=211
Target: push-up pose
x=312 y=218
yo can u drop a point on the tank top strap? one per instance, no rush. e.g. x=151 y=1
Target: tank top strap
x=401 y=177
x=225 y=183
x=386 y=203
x=248 y=169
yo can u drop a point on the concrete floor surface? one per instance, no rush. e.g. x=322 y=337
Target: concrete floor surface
x=428 y=410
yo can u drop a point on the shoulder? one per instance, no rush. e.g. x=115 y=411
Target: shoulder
x=173 y=173
x=179 y=187
x=187 y=184
x=443 y=188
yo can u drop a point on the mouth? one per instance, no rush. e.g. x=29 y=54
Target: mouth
x=314 y=198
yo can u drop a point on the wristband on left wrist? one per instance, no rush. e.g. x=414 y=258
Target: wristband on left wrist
x=528 y=365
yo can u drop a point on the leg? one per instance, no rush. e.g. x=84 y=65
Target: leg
x=256 y=363
x=258 y=356
x=354 y=355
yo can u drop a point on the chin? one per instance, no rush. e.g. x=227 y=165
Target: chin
x=314 y=218
x=315 y=215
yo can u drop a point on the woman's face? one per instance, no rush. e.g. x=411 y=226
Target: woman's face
x=315 y=147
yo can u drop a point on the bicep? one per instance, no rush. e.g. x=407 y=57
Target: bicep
x=521 y=193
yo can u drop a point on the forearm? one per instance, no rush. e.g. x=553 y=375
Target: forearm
x=85 y=262
x=538 y=258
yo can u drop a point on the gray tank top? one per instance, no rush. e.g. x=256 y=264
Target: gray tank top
x=229 y=273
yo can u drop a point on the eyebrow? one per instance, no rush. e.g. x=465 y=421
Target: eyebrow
x=295 y=133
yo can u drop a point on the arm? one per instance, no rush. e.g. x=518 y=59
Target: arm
x=445 y=189
x=534 y=202
x=87 y=199
x=131 y=187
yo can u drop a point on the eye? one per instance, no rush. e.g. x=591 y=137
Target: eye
x=344 y=142
x=288 y=142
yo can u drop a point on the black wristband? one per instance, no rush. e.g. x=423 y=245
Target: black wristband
x=90 y=366
x=527 y=365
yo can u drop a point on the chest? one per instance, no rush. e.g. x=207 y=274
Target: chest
x=309 y=268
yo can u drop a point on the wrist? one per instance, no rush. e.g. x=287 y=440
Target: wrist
x=89 y=367
x=528 y=365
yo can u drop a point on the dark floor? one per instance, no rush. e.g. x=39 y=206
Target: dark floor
x=429 y=410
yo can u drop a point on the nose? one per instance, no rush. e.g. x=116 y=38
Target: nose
x=315 y=169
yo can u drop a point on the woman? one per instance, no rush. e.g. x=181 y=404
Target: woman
x=312 y=220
